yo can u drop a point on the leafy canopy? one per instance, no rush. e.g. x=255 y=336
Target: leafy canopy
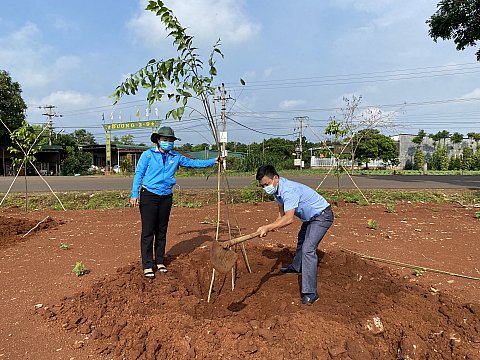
x=12 y=106
x=178 y=78
x=458 y=20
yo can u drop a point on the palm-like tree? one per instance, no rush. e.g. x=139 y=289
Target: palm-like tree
x=456 y=139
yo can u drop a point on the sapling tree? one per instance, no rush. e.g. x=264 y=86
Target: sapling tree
x=355 y=122
x=180 y=78
x=23 y=151
x=339 y=130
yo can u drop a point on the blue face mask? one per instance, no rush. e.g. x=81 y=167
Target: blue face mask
x=270 y=189
x=166 y=145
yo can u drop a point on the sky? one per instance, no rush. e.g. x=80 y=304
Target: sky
x=298 y=59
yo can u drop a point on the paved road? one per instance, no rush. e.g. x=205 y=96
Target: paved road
x=87 y=183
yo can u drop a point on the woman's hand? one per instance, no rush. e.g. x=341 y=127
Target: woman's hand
x=133 y=202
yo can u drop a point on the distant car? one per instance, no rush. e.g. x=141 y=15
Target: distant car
x=116 y=168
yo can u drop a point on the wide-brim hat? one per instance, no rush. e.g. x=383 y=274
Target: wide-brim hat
x=164 y=131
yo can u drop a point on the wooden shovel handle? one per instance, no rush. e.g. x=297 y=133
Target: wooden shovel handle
x=238 y=240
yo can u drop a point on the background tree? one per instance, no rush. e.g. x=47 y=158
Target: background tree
x=419 y=138
x=124 y=140
x=375 y=146
x=458 y=20
x=418 y=159
x=440 y=158
x=435 y=138
x=419 y=156
x=456 y=139
x=76 y=162
x=185 y=147
x=12 y=107
x=444 y=135
x=474 y=137
x=455 y=163
x=83 y=137
x=467 y=158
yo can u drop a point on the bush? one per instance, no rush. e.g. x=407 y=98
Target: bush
x=76 y=162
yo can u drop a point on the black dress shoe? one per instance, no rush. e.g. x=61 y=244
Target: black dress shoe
x=309 y=299
x=289 y=270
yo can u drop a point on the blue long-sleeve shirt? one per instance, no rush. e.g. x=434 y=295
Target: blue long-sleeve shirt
x=158 y=176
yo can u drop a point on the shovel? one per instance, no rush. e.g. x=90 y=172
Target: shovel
x=222 y=258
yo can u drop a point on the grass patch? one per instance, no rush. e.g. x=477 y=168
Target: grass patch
x=79 y=269
x=372 y=224
x=195 y=199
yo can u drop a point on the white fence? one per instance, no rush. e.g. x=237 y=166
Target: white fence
x=332 y=162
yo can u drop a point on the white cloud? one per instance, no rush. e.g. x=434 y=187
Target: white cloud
x=30 y=62
x=69 y=99
x=61 y=23
x=206 y=20
x=472 y=94
x=290 y=104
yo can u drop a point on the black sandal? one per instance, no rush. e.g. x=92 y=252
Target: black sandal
x=148 y=273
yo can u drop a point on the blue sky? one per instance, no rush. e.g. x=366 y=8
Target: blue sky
x=298 y=58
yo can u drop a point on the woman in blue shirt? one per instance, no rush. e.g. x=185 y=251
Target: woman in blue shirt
x=153 y=181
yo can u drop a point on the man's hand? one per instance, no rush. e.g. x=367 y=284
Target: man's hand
x=133 y=202
x=263 y=230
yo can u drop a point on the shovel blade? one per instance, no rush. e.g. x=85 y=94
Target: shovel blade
x=222 y=259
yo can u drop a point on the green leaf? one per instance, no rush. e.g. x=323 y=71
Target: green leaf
x=180 y=112
x=175 y=114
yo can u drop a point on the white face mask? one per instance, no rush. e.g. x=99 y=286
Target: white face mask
x=270 y=189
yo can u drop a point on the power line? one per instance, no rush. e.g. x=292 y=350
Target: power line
x=257 y=131
x=329 y=80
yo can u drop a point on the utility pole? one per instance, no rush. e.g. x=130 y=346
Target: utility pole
x=299 y=148
x=223 y=134
x=50 y=114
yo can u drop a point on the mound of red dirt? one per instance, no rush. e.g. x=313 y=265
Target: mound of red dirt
x=12 y=229
x=365 y=311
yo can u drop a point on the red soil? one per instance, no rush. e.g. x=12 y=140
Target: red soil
x=367 y=309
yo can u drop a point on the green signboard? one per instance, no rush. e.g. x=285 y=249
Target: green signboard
x=124 y=126
x=132 y=125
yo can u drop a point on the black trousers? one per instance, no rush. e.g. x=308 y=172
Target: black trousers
x=155 y=213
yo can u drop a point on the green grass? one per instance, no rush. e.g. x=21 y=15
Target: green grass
x=212 y=171
x=372 y=224
x=195 y=199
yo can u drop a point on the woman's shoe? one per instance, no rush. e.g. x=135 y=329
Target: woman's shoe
x=148 y=273
x=161 y=268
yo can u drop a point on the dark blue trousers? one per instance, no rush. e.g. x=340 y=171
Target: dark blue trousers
x=306 y=259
